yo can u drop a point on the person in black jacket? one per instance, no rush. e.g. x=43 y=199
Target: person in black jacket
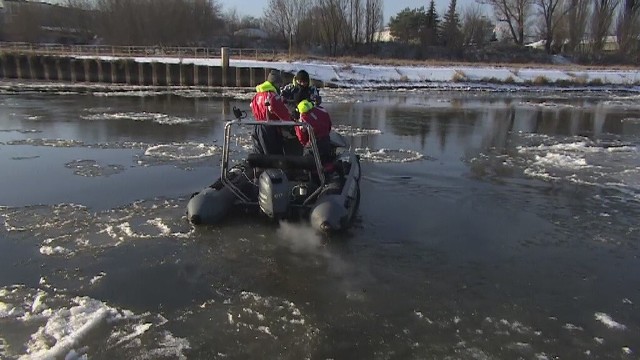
x=300 y=89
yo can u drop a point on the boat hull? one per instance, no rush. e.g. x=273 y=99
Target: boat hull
x=210 y=206
x=333 y=210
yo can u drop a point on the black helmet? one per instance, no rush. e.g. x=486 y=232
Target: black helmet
x=274 y=78
x=302 y=76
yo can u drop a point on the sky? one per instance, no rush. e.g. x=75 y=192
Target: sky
x=391 y=7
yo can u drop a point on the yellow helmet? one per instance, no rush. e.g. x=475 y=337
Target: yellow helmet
x=304 y=106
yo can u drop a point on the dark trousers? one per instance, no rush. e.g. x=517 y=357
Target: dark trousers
x=324 y=149
x=267 y=140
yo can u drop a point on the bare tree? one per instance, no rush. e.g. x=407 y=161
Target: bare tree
x=81 y=15
x=158 y=22
x=476 y=28
x=334 y=24
x=552 y=13
x=356 y=14
x=576 y=23
x=373 y=19
x=231 y=20
x=309 y=25
x=25 y=24
x=514 y=13
x=601 y=25
x=628 y=28
x=282 y=18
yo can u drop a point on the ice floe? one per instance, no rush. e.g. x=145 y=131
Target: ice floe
x=40 y=324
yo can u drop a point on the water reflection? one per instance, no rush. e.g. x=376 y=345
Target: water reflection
x=524 y=207
x=578 y=140
x=495 y=120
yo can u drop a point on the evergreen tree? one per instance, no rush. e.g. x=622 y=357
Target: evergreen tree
x=450 y=29
x=429 y=34
x=407 y=26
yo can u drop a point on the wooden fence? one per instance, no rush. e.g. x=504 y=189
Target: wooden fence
x=137 y=51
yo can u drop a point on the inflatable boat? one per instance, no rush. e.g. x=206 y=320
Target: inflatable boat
x=289 y=187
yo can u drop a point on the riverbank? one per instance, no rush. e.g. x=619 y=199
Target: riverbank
x=208 y=72
x=351 y=75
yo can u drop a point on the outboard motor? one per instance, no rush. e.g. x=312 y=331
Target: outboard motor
x=273 y=192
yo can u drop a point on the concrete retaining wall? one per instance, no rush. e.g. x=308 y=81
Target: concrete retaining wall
x=127 y=71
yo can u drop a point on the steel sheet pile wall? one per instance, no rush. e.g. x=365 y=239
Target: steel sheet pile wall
x=127 y=71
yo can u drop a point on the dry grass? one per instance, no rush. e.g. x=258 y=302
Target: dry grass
x=540 y=80
x=577 y=79
x=596 y=82
x=513 y=67
x=572 y=70
x=567 y=82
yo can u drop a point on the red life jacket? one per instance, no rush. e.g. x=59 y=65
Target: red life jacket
x=268 y=105
x=319 y=120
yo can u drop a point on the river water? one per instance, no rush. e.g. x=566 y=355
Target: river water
x=492 y=225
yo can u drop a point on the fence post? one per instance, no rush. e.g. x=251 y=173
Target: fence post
x=224 y=52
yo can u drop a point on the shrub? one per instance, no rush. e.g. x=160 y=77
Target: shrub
x=540 y=80
x=595 y=82
x=577 y=79
x=458 y=76
x=491 y=80
x=566 y=82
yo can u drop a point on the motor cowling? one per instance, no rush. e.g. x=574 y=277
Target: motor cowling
x=273 y=192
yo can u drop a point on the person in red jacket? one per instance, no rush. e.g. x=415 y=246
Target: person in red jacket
x=320 y=122
x=268 y=105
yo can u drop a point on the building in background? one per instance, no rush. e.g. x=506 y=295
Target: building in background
x=384 y=35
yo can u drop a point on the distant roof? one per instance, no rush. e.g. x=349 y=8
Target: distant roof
x=252 y=33
x=538 y=44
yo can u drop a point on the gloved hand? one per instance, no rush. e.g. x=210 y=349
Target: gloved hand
x=295 y=115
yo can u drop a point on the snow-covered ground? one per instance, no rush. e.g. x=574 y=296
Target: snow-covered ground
x=357 y=75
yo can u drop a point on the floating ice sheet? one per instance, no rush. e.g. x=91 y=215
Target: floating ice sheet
x=40 y=324
x=73 y=228
x=388 y=155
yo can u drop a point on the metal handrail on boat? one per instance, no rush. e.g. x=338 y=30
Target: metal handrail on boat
x=225 y=155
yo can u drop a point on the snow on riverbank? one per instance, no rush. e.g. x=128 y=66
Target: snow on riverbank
x=357 y=75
